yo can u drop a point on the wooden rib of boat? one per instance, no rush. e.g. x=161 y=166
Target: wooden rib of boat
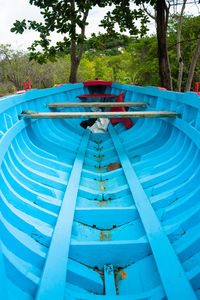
x=112 y=215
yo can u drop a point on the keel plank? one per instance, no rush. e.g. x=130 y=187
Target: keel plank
x=109 y=279
x=173 y=277
x=52 y=284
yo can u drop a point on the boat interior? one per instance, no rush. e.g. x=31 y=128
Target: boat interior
x=113 y=215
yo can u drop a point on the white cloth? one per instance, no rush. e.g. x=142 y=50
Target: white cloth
x=99 y=126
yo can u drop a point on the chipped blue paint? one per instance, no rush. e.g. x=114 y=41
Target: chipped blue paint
x=107 y=227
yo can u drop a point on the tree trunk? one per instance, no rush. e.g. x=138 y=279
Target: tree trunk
x=76 y=57
x=74 y=69
x=74 y=63
x=180 y=60
x=164 y=65
x=192 y=66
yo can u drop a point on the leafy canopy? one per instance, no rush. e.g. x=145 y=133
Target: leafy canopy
x=66 y=17
x=125 y=16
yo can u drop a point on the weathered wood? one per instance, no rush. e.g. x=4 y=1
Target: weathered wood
x=97 y=96
x=82 y=115
x=97 y=104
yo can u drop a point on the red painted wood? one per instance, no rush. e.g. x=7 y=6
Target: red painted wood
x=161 y=88
x=127 y=122
x=196 y=87
x=97 y=82
x=29 y=84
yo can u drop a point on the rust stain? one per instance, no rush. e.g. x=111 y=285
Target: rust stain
x=105 y=236
x=99 y=157
x=99 y=169
x=123 y=274
x=116 y=281
x=113 y=166
x=102 y=188
x=102 y=184
x=102 y=203
x=98 y=142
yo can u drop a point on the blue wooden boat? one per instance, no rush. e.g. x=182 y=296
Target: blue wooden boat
x=71 y=228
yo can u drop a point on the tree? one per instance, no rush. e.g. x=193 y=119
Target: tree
x=144 y=63
x=126 y=17
x=15 y=67
x=193 y=65
x=65 y=17
x=189 y=43
x=180 y=60
x=162 y=17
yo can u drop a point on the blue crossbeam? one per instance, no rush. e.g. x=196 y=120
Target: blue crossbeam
x=109 y=280
x=173 y=277
x=52 y=284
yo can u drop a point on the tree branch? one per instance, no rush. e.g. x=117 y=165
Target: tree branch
x=170 y=47
x=83 y=34
x=180 y=60
x=148 y=13
x=192 y=66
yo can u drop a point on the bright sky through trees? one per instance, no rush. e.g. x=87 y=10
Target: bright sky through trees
x=12 y=10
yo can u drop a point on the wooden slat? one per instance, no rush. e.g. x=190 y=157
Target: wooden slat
x=97 y=96
x=82 y=115
x=97 y=104
x=52 y=284
x=172 y=274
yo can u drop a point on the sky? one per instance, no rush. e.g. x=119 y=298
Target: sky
x=12 y=10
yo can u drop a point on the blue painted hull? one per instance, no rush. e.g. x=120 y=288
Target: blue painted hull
x=70 y=229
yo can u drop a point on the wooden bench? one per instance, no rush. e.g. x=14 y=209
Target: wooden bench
x=96 y=104
x=82 y=115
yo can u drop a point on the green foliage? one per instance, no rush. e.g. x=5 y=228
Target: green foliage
x=64 y=17
x=125 y=17
x=144 y=61
x=189 y=36
x=86 y=70
x=104 y=44
x=123 y=59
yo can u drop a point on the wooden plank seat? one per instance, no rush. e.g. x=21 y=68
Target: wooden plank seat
x=97 y=96
x=96 y=104
x=82 y=115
